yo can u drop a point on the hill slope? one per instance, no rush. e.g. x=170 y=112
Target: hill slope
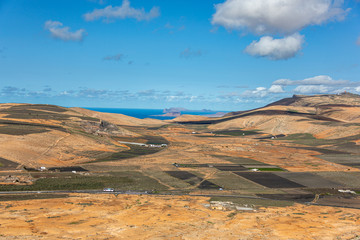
x=324 y=116
x=47 y=135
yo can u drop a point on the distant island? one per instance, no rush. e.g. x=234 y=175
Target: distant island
x=178 y=111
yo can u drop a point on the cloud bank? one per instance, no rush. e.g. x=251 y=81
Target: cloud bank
x=317 y=80
x=121 y=12
x=58 y=31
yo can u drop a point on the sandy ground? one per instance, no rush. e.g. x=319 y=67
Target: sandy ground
x=168 y=217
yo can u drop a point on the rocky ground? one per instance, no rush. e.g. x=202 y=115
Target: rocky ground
x=107 y=216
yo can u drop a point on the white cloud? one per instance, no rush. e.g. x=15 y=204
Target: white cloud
x=122 y=12
x=58 y=31
x=276 y=16
x=317 y=80
x=259 y=92
x=321 y=84
x=276 y=89
x=276 y=49
x=312 y=89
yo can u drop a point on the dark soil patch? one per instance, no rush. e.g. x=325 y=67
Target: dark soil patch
x=22 y=125
x=40 y=111
x=302 y=198
x=67 y=169
x=192 y=165
x=190 y=178
x=321 y=150
x=236 y=132
x=182 y=175
x=134 y=151
x=7 y=165
x=208 y=185
x=269 y=180
x=21 y=130
x=21 y=197
x=340 y=201
x=128 y=180
x=272 y=136
x=309 y=180
x=343 y=159
x=239 y=160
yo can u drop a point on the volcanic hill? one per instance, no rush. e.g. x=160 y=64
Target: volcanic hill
x=324 y=116
x=35 y=135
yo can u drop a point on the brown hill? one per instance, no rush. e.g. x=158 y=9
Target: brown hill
x=120 y=119
x=324 y=116
x=47 y=135
x=341 y=99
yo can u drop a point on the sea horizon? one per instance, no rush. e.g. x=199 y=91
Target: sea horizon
x=142 y=113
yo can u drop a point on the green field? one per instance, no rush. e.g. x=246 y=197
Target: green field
x=21 y=129
x=237 y=132
x=68 y=181
x=134 y=151
x=239 y=160
x=20 y=197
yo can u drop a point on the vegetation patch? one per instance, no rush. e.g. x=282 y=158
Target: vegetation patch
x=21 y=129
x=237 y=132
x=230 y=168
x=158 y=140
x=192 y=165
x=68 y=169
x=341 y=144
x=117 y=180
x=270 y=169
x=134 y=151
x=40 y=111
x=20 y=197
x=239 y=160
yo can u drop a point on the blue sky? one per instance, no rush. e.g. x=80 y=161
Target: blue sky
x=220 y=55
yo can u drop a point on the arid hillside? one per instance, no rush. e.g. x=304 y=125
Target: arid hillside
x=323 y=116
x=47 y=135
x=120 y=119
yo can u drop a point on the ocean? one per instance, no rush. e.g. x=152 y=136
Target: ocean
x=149 y=113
